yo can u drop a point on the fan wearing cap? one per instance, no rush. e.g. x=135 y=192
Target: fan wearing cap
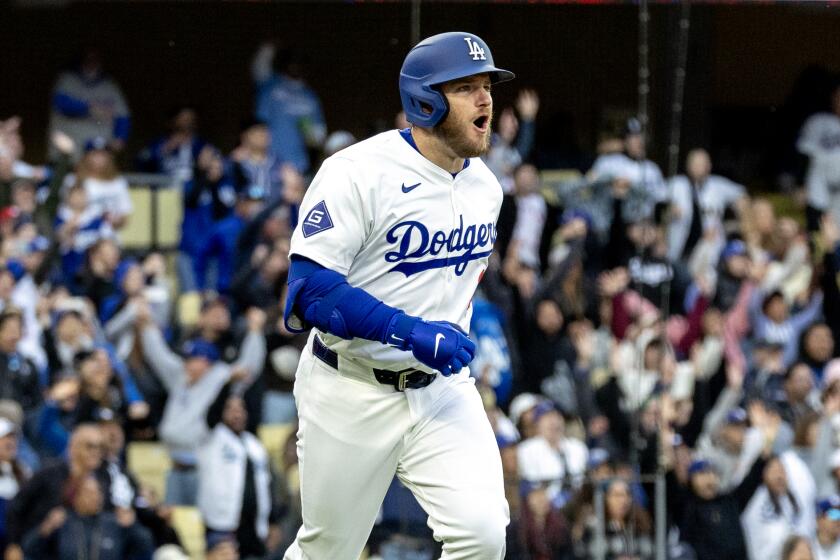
x=772 y=319
x=137 y=284
x=826 y=544
x=707 y=515
x=632 y=173
x=220 y=245
x=193 y=381
x=551 y=455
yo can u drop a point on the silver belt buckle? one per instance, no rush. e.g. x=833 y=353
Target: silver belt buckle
x=402 y=379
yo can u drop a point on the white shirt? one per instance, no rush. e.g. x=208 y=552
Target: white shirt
x=539 y=461
x=402 y=229
x=714 y=195
x=105 y=197
x=530 y=219
x=644 y=177
x=819 y=139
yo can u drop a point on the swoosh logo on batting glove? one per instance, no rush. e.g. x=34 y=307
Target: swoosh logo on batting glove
x=438 y=338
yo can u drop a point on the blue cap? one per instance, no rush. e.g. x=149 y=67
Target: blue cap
x=573 y=213
x=16 y=269
x=698 y=466
x=734 y=248
x=122 y=270
x=736 y=416
x=830 y=506
x=632 y=126
x=544 y=408
x=252 y=192
x=200 y=348
x=37 y=245
x=96 y=143
x=597 y=457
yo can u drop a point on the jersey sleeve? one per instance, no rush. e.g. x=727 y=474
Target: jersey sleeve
x=334 y=218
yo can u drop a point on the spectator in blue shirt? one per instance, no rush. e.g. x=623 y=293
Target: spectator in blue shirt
x=284 y=101
x=221 y=242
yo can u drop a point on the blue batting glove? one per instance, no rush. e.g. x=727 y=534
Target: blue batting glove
x=441 y=345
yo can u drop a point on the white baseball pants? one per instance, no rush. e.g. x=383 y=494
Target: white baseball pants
x=355 y=434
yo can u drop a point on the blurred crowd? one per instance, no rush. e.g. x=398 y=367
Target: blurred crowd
x=634 y=332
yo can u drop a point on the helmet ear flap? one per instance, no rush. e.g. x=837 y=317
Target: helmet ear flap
x=426 y=107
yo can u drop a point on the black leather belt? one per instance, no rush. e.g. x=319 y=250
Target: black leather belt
x=399 y=380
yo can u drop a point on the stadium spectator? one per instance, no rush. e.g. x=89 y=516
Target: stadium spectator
x=819 y=140
x=628 y=528
x=505 y=156
x=50 y=487
x=631 y=171
x=87 y=103
x=234 y=481
x=551 y=456
x=826 y=544
x=12 y=473
x=193 y=383
x=220 y=244
x=107 y=190
x=698 y=202
x=175 y=154
x=19 y=378
x=252 y=162
x=781 y=507
x=287 y=104
x=84 y=530
x=208 y=198
x=137 y=284
x=709 y=517
x=544 y=528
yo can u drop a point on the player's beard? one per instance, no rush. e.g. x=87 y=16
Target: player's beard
x=455 y=134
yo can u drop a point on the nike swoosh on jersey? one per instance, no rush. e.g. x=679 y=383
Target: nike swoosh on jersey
x=409 y=188
x=438 y=338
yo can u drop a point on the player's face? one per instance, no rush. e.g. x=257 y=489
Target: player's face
x=466 y=129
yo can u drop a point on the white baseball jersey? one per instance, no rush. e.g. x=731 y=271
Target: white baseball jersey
x=714 y=195
x=819 y=139
x=402 y=229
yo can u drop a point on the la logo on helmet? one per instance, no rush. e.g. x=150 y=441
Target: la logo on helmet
x=476 y=52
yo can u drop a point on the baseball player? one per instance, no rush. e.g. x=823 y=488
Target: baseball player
x=395 y=235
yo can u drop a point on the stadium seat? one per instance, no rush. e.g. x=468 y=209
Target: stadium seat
x=186 y=520
x=137 y=233
x=273 y=437
x=149 y=462
x=170 y=214
x=188 y=309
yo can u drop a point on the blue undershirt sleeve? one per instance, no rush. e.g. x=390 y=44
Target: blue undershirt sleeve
x=322 y=298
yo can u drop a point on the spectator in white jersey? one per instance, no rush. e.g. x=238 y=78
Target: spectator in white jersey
x=631 y=171
x=819 y=139
x=106 y=188
x=698 y=201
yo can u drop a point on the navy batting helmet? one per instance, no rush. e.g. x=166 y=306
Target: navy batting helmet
x=438 y=59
